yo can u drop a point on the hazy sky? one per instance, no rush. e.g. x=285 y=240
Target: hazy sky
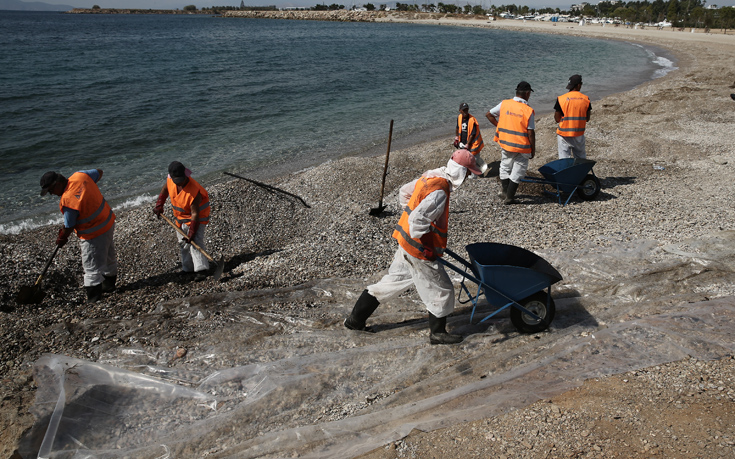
x=172 y=4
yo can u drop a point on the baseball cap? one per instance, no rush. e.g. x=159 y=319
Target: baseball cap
x=466 y=159
x=524 y=86
x=47 y=181
x=177 y=172
x=463 y=106
x=574 y=80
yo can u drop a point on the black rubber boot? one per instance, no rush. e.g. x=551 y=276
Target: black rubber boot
x=510 y=194
x=365 y=306
x=108 y=285
x=94 y=293
x=439 y=333
x=504 y=188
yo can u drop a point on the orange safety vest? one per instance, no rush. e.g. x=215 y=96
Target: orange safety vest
x=83 y=195
x=181 y=201
x=472 y=127
x=575 y=106
x=512 y=131
x=438 y=232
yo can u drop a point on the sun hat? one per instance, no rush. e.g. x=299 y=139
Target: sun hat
x=466 y=159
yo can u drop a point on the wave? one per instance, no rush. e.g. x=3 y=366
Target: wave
x=36 y=222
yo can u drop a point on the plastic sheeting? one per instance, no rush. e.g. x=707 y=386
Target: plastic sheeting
x=276 y=382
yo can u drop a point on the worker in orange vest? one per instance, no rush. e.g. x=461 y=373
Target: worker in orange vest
x=515 y=132
x=190 y=203
x=572 y=111
x=422 y=237
x=467 y=135
x=88 y=214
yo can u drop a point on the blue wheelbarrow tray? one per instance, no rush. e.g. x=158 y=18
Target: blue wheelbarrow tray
x=509 y=277
x=567 y=176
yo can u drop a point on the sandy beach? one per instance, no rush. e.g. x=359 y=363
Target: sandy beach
x=658 y=240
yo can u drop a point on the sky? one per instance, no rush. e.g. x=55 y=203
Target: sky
x=173 y=4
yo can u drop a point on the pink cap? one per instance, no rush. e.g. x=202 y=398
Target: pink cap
x=466 y=159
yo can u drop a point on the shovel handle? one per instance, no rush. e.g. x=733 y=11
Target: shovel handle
x=45 y=268
x=385 y=169
x=196 y=246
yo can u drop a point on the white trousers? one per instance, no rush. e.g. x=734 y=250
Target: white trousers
x=98 y=258
x=513 y=166
x=571 y=147
x=429 y=277
x=192 y=260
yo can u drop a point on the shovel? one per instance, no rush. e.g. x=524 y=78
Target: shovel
x=219 y=264
x=33 y=294
x=375 y=211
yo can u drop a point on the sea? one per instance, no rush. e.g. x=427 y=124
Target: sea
x=128 y=94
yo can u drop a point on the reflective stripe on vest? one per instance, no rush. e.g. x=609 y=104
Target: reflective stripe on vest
x=574 y=106
x=512 y=131
x=95 y=215
x=437 y=234
x=472 y=127
x=181 y=201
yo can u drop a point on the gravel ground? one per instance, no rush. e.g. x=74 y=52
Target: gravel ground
x=681 y=123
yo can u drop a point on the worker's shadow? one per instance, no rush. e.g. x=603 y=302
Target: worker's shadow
x=177 y=277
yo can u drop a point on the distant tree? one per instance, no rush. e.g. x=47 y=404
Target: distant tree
x=370 y=7
x=190 y=8
x=334 y=6
x=96 y=7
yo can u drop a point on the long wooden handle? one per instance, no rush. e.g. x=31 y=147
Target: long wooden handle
x=385 y=169
x=196 y=246
x=45 y=268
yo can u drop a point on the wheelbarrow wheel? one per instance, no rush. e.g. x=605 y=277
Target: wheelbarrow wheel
x=535 y=303
x=589 y=188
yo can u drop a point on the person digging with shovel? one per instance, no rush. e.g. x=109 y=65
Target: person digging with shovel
x=422 y=237
x=190 y=202
x=87 y=213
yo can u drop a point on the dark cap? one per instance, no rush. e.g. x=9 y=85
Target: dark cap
x=47 y=181
x=463 y=106
x=524 y=86
x=574 y=80
x=177 y=172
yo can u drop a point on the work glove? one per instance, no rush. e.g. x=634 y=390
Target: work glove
x=158 y=210
x=62 y=238
x=193 y=227
x=427 y=248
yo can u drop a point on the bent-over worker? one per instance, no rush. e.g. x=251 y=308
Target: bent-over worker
x=190 y=203
x=422 y=237
x=87 y=213
x=516 y=135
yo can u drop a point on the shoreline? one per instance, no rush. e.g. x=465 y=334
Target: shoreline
x=680 y=122
x=283 y=171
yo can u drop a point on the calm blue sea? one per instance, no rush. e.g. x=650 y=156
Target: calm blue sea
x=129 y=94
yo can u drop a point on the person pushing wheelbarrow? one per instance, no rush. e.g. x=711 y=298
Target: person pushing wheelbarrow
x=422 y=237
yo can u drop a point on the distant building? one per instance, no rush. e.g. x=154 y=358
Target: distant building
x=579 y=6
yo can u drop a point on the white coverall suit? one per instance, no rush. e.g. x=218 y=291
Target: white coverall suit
x=431 y=280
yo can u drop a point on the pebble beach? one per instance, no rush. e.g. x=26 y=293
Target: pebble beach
x=665 y=155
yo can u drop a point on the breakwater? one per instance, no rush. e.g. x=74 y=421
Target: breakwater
x=337 y=15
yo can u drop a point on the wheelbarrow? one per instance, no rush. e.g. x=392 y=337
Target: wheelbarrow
x=567 y=176
x=509 y=277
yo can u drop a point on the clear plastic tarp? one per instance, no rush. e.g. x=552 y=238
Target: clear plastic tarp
x=283 y=378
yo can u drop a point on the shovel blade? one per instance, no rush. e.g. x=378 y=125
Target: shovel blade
x=30 y=294
x=219 y=269
x=375 y=211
